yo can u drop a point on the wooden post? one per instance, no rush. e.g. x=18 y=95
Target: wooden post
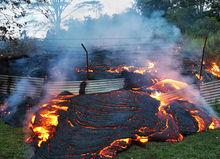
x=203 y=57
x=87 y=62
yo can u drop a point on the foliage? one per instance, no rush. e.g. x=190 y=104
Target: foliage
x=10 y=12
x=55 y=11
x=196 y=19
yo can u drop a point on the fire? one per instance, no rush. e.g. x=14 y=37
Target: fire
x=214 y=69
x=44 y=122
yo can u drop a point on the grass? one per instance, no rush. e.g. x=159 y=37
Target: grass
x=199 y=146
x=11 y=142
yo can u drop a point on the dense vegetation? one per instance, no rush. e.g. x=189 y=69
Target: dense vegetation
x=196 y=19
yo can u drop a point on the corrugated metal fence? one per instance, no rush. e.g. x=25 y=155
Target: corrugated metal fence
x=211 y=91
x=35 y=86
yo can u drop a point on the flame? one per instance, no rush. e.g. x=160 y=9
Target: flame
x=214 y=69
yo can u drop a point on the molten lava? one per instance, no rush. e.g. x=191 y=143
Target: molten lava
x=168 y=85
x=148 y=68
x=44 y=122
x=168 y=90
x=214 y=69
x=117 y=119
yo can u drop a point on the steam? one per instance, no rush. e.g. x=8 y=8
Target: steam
x=134 y=37
x=129 y=37
x=17 y=96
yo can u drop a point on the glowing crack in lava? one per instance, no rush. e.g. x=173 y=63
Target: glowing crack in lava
x=47 y=116
x=214 y=69
x=102 y=125
x=167 y=98
x=149 y=67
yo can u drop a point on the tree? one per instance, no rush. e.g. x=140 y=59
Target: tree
x=55 y=10
x=146 y=7
x=194 y=17
x=10 y=12
x=215 y=9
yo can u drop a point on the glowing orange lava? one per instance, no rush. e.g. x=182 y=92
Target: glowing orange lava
x=44 y=123
x=168 y=85
x=199 y=120
x=215 y=123
x=214 y=69
x=120 y=144
x=149 y=67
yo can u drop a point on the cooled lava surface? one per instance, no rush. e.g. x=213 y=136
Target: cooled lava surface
x=102 y=125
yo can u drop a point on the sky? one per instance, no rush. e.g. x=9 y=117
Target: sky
x=110 y=7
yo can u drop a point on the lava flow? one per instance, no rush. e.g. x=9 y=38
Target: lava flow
x=116 y=120
x=44 y=122
x=214 y=69
x=149 y=67
x=162 y=94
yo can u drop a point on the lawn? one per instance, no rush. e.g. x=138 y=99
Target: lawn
x=11 y=142
x=199 y=146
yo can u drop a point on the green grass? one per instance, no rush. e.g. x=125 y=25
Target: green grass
x=199 y=146
x=11 y=142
